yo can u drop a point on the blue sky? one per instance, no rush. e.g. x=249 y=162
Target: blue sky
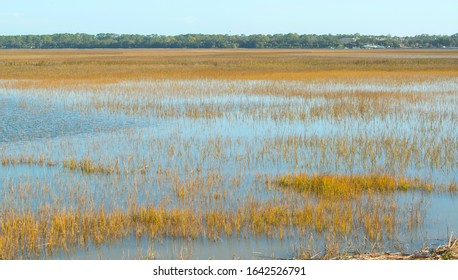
x=171 y=17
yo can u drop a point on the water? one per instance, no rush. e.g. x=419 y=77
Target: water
x=231 y=142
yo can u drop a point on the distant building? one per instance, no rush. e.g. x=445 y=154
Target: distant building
x=373 y=47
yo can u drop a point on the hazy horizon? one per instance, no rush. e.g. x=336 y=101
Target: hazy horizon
x=176 y=17
x=264 y=34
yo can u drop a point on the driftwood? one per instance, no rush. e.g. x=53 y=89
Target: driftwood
x=444 y=252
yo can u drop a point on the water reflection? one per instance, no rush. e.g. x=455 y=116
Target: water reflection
x=157 y=142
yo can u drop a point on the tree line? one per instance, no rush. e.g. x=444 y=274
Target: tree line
x=290 y=41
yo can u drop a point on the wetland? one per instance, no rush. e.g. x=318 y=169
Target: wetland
x=226 y=154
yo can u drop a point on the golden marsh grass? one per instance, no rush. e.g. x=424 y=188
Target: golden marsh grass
x=57 y=68
x=333 y=152
x=350 y=185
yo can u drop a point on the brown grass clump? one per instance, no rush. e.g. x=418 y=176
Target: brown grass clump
x=344 y=186
x=87 y=166
x=27 y=160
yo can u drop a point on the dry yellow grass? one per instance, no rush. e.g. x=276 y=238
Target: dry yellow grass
x=57 y=68
x=370 y=86
x=350 y=186
x=40 y=234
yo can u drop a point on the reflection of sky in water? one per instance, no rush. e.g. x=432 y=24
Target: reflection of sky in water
x=439 y=219
x=23 y=119
x=33 y=125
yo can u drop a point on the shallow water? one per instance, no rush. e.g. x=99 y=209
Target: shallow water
x=440 y=221
x=27 y=118
x=238 y=142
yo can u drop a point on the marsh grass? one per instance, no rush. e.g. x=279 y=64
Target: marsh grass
x=340 y=137
x=86 y=165
x=27 y=160
x=350 y=186
x=57 y=68
x=34 y=235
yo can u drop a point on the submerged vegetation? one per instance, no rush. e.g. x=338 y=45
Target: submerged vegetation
x=318 y=154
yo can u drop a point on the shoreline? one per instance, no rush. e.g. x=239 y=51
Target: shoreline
x=443 y=252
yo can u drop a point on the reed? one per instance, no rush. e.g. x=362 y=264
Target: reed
x=35 y=235
x=349 y=186
x=86 y=165
x=310 y=148
x=58 y=68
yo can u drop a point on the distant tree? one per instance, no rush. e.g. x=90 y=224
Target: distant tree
x=290 y=40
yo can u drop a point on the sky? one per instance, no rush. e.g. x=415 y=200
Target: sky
x=173 y=17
